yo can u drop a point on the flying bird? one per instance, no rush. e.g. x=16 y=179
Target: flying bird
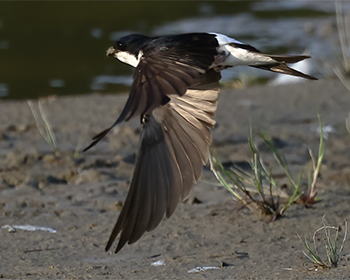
x=174 y=92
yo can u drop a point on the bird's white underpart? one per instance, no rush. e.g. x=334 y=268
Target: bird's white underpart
x=232 y=55
x=128 y=58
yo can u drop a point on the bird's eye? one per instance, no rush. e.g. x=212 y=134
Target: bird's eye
x=120 y=45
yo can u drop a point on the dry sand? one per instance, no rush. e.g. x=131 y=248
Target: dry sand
x=81 y=197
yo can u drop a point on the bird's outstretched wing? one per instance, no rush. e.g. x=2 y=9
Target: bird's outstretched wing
x=174 y=147
x=167 y=67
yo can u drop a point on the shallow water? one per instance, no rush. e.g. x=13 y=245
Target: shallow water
x=59 y=48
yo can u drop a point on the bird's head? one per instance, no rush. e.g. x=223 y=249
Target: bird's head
x=128 y=48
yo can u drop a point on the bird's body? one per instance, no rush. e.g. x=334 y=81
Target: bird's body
x=175 y=92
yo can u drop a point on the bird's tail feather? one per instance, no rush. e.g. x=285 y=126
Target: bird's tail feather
x=288 y=58
x=281 y=67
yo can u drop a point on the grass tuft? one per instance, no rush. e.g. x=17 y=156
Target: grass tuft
x=310 y=196
x=258 y=190
x=332 y=249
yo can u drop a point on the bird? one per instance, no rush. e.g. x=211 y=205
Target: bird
x=175 y=93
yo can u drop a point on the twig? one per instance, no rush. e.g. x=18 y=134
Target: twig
x=39 y=250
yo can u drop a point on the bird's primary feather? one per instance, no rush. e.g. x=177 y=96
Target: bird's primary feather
x=174 y=145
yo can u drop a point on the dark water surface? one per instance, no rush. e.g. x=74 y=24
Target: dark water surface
x=59 y=47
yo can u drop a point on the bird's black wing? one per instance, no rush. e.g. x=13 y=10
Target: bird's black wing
x=169 y=66
x=174 y=147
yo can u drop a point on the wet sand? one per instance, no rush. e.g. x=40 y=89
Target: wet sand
x=80 y=196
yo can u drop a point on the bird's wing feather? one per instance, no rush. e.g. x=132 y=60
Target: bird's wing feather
x=174 y=146
x=169 y=66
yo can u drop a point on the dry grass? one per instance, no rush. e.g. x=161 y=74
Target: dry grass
x=343 y=24
x=42 y=122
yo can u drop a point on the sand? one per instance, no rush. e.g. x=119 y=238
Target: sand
x=80 y=196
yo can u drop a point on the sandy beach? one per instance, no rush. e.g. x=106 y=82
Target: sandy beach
x=80 y=195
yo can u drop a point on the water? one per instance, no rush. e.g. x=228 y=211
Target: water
x=59 y=48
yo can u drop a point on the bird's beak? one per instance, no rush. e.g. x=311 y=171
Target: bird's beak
x=111 y=51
